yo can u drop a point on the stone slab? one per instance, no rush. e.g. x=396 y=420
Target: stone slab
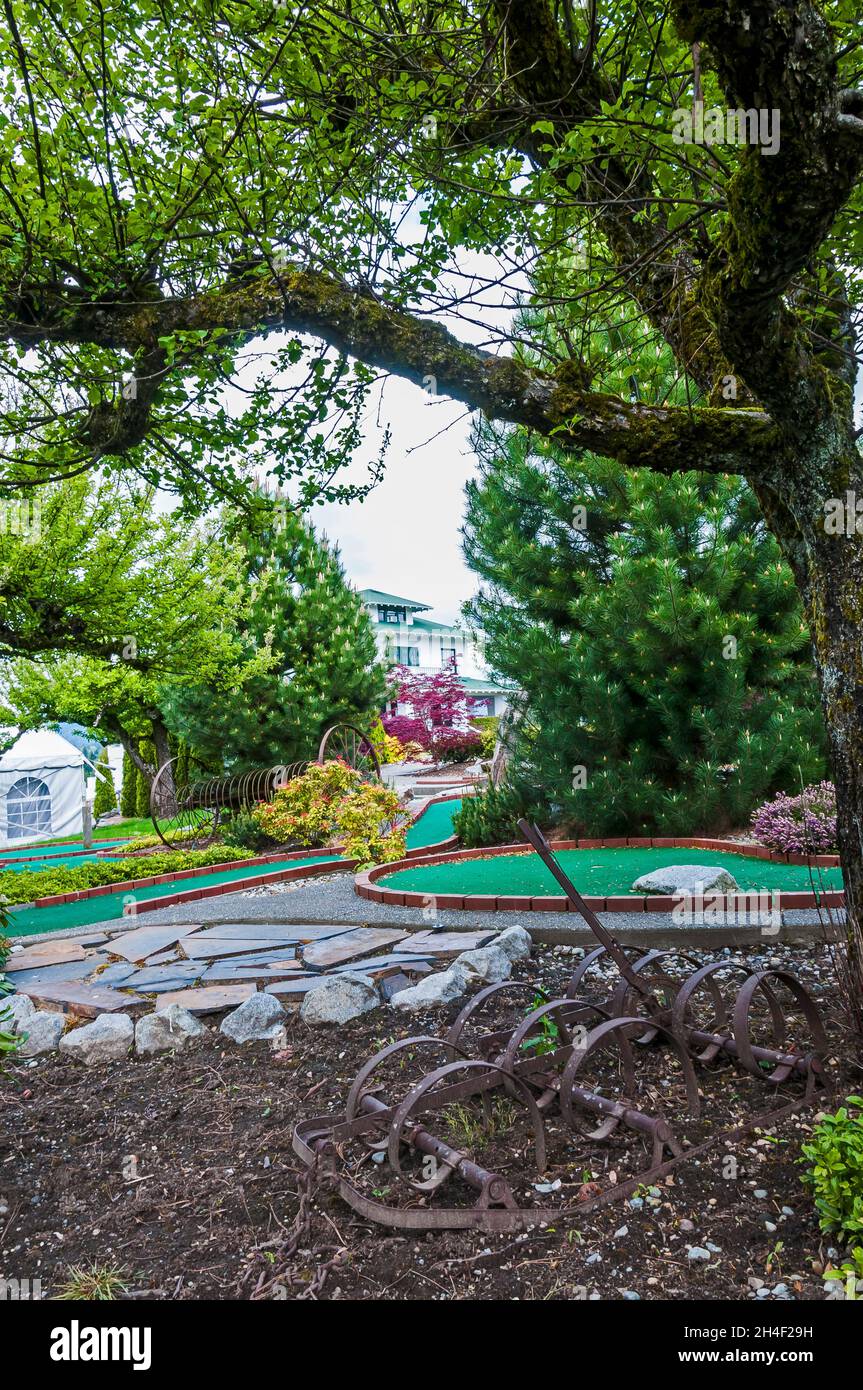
x=275 y=953
x=301 y=985
x=145 y=941
x=82 y=1001
x=46 y=953
x=210 y=999
x=269 y=970
x=152 y=979
x=215 y=948
x=449 y=943
x=278 y=932
x=51 y=974
x=353 y=945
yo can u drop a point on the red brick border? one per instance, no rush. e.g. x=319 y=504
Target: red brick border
x=366 y=886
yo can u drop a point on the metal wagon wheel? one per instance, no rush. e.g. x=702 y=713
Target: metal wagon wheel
x=188 y=824
x=351 y=746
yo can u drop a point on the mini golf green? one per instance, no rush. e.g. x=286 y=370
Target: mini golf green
x=434 y=825
x=63 y=861
x=49 y=850
x=597 y=873
x=32 y=921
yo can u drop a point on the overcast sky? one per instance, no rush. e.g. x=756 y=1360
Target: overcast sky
x=404 y=537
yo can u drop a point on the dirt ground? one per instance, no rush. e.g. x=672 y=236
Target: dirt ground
x=178 y=1174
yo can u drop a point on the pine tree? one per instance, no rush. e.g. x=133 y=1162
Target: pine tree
x=325 y=670
x=655 y=638
x=129 y=787
x=105 y=798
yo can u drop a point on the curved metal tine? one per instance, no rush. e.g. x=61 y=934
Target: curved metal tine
x=401 y=1115
x=742 y=1005
x=704 y=975
x=359 y=1085
x=582 y=968
x=454 y=1035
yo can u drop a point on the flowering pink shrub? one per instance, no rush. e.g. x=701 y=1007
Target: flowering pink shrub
x=804 y=824
x=456 y=745
x=405 y=729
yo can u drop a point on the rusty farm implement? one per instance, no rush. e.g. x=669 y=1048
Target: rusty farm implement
x=192 y=813
x=464 y=1130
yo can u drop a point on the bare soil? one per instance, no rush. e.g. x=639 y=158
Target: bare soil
x=179 y=1173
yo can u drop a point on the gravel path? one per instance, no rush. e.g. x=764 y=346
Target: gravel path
x=332 y=899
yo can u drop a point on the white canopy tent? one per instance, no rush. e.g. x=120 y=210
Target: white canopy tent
x=41 y=789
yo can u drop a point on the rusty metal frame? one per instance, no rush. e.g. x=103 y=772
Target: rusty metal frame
x=648 y=1006
x=201 y=805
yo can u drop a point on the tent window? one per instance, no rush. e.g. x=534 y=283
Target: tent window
x=28 y=808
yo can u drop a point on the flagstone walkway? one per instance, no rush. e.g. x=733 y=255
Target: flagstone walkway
x=210 y=968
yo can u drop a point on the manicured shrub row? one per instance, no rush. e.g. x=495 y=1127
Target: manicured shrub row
x=26 y=886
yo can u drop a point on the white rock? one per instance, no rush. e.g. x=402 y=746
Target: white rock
x=106 y=1039
x=340 y=998
x=44 y=1031
x=687 y=878
x=21 y=1007
x=166 y=1030
x=259 y=1018
x=488 y=964
x=435 y=991
x=515 y=942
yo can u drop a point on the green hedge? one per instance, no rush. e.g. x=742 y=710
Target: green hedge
x=28 y=884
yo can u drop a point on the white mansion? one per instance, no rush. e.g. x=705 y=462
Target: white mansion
x=405 y=638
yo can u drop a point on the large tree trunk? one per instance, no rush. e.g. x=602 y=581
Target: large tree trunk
x=835 y=604
x=816 y=521
x=166 y=792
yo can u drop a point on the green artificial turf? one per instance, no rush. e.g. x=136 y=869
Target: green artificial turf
x=434 y=825
x=51 y=847
x=598 y=873
x=63 y=861
x=32 y=921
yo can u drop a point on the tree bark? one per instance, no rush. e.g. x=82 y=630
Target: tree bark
x=166 y=791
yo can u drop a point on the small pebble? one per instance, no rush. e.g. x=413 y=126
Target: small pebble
x=697 y=1252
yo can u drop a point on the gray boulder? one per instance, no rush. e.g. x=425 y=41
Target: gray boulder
x=21 y=1008
x=489 y=964
x=687 y=878
x=260 y=1018
x=340 y=998
x=44 y=1031
x=435 y=991
x=167 y=1030
x=515 y=942
x=106 y=1039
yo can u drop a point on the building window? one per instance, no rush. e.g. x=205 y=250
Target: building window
x=448 y=657
x=387 y=614
x=28 y=808
x=407 y=656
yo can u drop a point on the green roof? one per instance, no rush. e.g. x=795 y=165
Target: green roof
x=477 y=687
x=375 y=596
x=429 y=625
